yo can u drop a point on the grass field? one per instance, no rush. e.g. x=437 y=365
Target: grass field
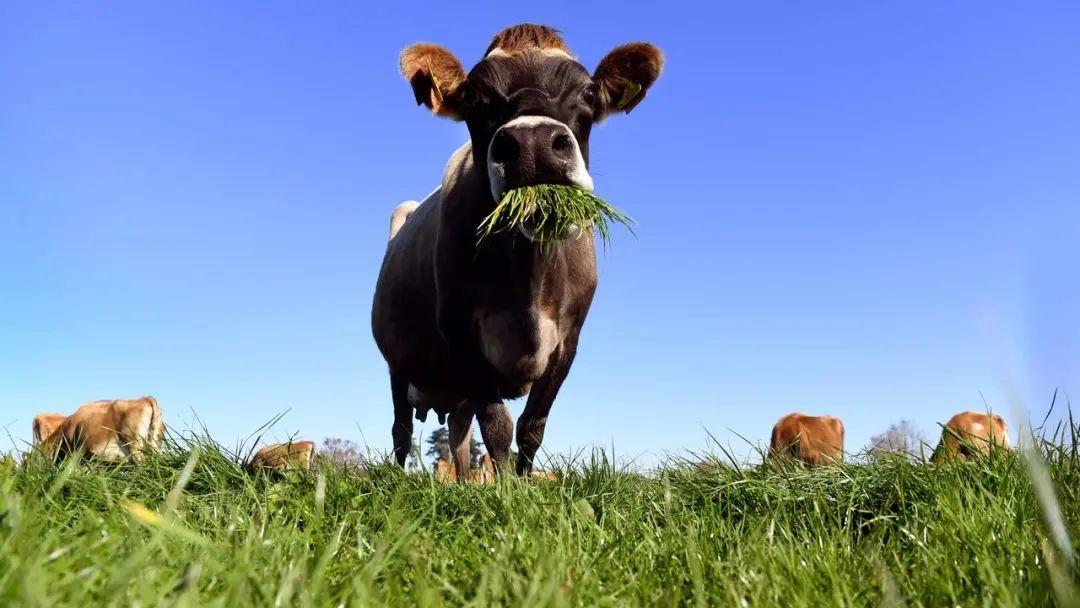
x=190 y=527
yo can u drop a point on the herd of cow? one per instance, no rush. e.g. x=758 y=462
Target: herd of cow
x=462 y=325
x=818 y=440
x=110 y=431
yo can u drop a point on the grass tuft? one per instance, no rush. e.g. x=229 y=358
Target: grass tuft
x=549 y=212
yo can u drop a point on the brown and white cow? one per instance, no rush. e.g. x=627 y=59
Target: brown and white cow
x=463 y=327
x=110 y=430
x=970 y=434
x=484 y=473
x=812 y=439
x=44 y=427
x=444 y=470
x=283 y=456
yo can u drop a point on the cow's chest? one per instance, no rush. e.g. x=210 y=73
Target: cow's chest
x=518 y=343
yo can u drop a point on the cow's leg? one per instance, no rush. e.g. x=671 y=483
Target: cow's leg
x=496 y=427
x=403 y=424
x=461 y=418
x=533 y=420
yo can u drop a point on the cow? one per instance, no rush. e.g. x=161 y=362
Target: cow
x=485 y=472
x=813 y=440
x=444 y=470
x=44 y=427
x=971 y=434
x=544 y=476
x=464 y=326
x=110 y=430
x=280 y=457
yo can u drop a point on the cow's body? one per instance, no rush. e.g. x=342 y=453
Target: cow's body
x=111 y=430
x=971 y=434
x=283 y=456
x=485 y=472
x=444 y=470
x=814 y=440
x=463 y=326
x=44 y=427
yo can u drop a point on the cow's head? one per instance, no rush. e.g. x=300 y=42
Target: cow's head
x=529 y=105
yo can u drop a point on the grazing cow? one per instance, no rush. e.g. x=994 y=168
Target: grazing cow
x=971 y=434
x=463 y=327
x=444 y=471
x=44 y=427
x=812 y=439
x=283 y=456
x=485 y=473
x=110 y=430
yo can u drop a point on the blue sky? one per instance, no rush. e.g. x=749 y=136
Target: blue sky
x=849 y=209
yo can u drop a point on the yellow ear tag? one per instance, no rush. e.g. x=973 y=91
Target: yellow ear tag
x=632 y=90
x=436 y=92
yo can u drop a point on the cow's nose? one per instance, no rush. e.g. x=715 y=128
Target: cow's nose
x=534 y=149
x=505 y=146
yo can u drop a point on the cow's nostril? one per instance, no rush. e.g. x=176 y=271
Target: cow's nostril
x=504 y=148
x=562 y=143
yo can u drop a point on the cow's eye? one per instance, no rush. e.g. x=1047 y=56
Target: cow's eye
x=588 y=96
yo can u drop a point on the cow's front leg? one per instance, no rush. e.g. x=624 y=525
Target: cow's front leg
x=533 y=420
x=496 y=427
x=461 y=439
x=403 y=423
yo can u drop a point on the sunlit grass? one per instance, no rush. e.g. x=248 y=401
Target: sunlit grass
x=190 y=527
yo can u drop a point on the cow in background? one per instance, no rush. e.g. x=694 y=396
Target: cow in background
x=110 y=430
x=971 y=434
x=44 y=427
x=280 y=457
x=813 y=440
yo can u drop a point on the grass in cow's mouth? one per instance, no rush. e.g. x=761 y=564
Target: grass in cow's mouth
x=548 y=212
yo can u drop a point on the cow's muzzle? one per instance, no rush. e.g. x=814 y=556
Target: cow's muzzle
x=532 y=150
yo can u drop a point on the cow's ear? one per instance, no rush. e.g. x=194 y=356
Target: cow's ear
x=625 y=75
x=434 y=73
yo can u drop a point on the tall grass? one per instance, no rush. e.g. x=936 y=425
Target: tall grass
x=190 y=527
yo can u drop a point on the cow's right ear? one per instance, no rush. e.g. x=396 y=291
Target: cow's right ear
x=434 y=73
x=625 y=75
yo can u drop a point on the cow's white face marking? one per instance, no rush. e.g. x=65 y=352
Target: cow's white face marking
x=498 y=52
x=576 y=173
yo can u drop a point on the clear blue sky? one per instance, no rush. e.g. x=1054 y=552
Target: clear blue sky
x=864 y=211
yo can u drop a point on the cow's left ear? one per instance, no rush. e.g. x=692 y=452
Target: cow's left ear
x=625 y=75
x=434 y=73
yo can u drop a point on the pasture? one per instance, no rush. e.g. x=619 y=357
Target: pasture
x=190 y=527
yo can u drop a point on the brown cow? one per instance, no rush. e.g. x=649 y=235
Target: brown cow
x=444 y=470
x=485 y=473
x=283 y=456
x=971 y=434
x=110 y=430
x=812 y=439
x=461 y=326
x=44 y=427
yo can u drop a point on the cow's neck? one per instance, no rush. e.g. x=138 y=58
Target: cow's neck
x=510 y=266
